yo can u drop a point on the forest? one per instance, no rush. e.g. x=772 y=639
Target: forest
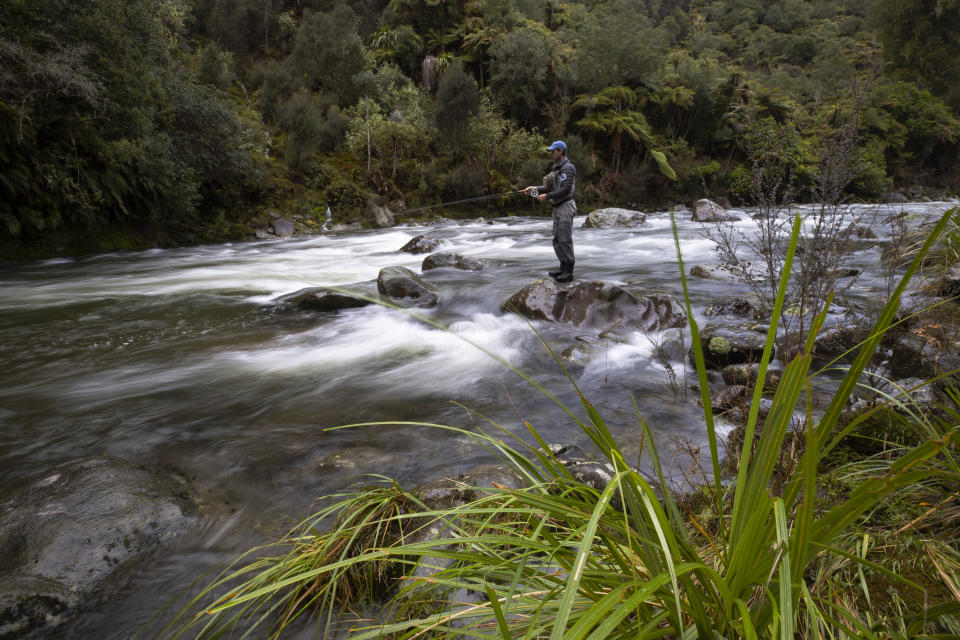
x=131 y=123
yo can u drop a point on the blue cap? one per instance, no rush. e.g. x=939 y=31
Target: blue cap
x=558 y=144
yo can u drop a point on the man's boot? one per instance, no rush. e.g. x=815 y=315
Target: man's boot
x=557 y=273
x=566 y=273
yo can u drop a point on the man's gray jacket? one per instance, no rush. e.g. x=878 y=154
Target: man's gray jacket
x=564 y=182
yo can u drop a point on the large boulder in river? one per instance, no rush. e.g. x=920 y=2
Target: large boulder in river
x=321 y=299
x=455 y=260
x=283 y=228
x=614 y=218
x=595 y=304
x=726 y=343
x=422 y=244
x=63 y=534
x=710 y=211
x=403 y=285
x=382 y=215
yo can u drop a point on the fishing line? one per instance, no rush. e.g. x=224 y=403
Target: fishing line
x=477 y=199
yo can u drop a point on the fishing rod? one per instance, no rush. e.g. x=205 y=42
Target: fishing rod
x=465 y=200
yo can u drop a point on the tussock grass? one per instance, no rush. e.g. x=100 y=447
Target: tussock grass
x=763 y=556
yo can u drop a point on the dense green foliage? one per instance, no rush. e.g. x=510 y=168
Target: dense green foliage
x=100 y=120
x=189 y=114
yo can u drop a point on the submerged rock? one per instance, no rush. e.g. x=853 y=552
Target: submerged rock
x=321 y=299
x=710 y=211
x=596 y=304
x=402 y=285
x=66 y=531
x=614 y=218
x=421 y=244
x=455 y=260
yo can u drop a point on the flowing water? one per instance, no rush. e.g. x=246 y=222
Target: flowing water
x=177 y=359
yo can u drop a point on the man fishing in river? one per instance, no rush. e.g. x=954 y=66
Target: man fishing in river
x=558 y=188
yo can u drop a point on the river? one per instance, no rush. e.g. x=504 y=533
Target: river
x=177 y=359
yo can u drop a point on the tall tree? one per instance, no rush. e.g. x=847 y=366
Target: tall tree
x=328 y=54
x=457 y=100
x=522 y=71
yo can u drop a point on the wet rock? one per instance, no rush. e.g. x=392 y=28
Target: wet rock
x=595 y=474
x=673 y=345
x=916 y=391
x=402 y=285
x=615 y=218
x=595 y=304
x=450 y=492
x=560 y=448
x=729 y=397
x=710 y=211
x=712 y=272
x=738 y=307
x=578 y=354
x=895 y=197
x=382 y=215
x=321 y=299
x=729 y=343
x=947 y=285
x=454 y=260
x=916 y=354
x=833 y=342
x=746 y=373
x=64 y=533
x=862 y=232
x=848 y=273
x=422 y=244
x=263 y=234
x=283 y=228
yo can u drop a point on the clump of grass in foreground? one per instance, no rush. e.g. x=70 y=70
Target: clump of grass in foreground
x=560 y=559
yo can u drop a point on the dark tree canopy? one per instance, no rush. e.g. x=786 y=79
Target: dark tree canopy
x=921 y=40
x=199 y=117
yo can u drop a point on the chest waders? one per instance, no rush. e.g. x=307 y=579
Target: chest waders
x=563 y=213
